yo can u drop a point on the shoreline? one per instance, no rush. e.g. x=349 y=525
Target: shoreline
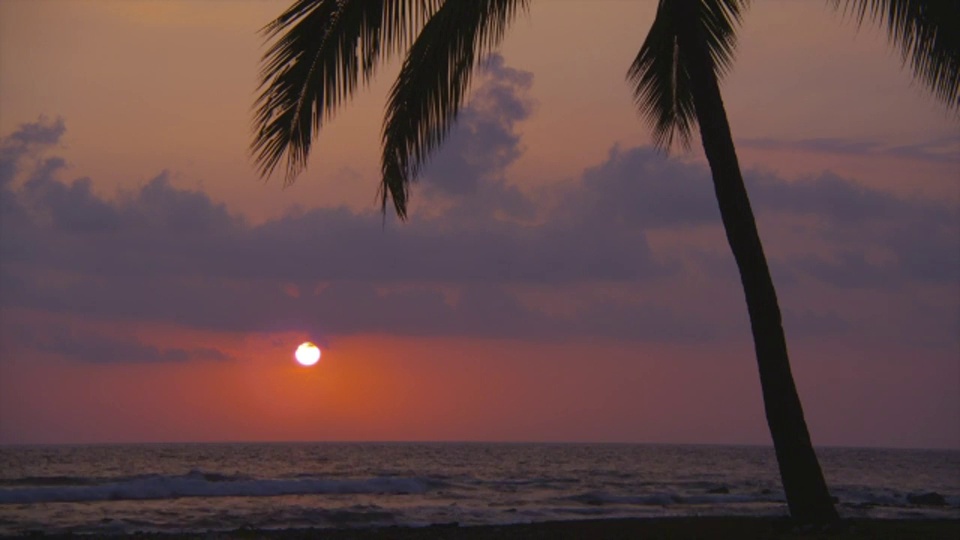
x=673 y=528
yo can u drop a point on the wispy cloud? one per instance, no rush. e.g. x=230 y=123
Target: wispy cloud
x=941 y=149
x=98 y=348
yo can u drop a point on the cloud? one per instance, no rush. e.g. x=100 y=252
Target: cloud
x=639 y=188
x=940 y=150
x=484 y=140
x=161 y=253
x=96 y=348
x=166 y=254
x=919 y=236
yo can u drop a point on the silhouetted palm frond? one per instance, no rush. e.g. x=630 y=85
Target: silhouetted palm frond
x=927 y=32
x=659 y=73
x=433 y=81
x=320 y=50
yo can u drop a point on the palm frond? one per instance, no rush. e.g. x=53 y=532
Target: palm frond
x=927 y=32
x=659 y=73
x=435 y=76
x=320 y=50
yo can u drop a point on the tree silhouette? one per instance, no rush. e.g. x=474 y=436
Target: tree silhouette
x=323 y=50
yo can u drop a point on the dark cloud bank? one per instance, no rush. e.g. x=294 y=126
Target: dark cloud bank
x=164 y=254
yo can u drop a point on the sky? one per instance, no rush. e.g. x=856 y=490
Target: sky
x=558 y=279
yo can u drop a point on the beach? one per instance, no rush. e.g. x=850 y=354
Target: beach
x=652 y=528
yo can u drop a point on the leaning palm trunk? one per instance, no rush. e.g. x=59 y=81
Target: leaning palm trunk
x=803 y=483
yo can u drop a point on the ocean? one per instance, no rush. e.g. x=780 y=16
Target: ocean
x=187 y=487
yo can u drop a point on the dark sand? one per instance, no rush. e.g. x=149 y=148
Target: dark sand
x=652 y=529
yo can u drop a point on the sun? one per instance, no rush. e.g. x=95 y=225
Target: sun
x=307 y=354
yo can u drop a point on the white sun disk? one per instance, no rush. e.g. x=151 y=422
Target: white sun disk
x=307 y=354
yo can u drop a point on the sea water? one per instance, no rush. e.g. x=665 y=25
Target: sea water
x=187 y=487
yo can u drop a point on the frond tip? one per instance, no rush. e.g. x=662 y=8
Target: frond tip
x=927 y=32
x=320 y=51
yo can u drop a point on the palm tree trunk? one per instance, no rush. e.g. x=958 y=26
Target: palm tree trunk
x=803 y=483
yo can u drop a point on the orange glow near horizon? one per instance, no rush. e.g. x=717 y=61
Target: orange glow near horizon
x=384 y=388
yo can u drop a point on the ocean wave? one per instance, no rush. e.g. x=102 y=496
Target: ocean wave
x=200 y=484
x=600 y=498
x=47 y=481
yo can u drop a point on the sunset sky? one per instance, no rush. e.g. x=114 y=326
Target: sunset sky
x=558 y=280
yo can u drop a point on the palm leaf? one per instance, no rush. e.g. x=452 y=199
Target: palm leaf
x=927 y=32
x=320 y=50
x=659 y=74
x=433 y=81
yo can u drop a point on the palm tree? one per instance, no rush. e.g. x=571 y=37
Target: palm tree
x=323 y=49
